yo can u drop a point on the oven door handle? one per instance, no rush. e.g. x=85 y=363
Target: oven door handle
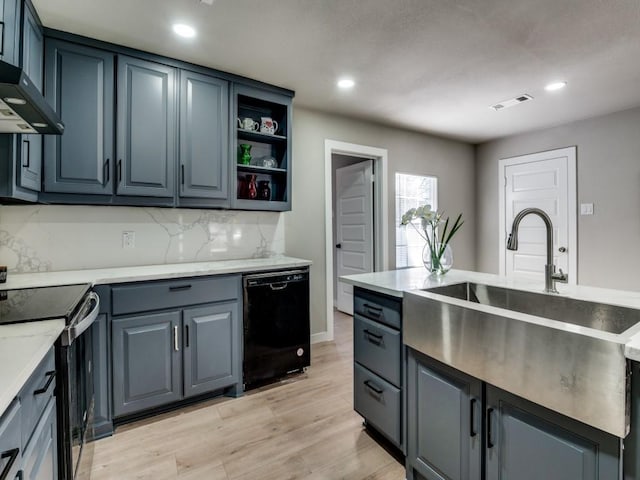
x=74 y=331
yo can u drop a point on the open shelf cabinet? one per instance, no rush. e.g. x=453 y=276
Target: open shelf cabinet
x=270 y=153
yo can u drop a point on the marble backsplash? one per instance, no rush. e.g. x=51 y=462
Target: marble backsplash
x=38 y=238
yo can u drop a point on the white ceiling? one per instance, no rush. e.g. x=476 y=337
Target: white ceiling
x=428 y=65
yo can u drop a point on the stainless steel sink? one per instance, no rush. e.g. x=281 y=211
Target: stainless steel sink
x=542 y=356
x=600 y=316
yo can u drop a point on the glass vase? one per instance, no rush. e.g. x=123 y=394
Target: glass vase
x=440 y=260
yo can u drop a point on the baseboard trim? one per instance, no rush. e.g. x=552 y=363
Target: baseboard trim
x=321 y=337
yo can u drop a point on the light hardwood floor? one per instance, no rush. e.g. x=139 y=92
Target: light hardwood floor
x=301 y=428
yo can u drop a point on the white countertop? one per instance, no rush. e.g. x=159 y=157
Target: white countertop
x=396 y=282
x=102 y=276
x=22 y=347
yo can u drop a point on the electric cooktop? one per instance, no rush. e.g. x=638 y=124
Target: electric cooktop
x=45 y=303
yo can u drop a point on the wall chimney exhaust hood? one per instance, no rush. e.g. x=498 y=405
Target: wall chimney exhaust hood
x=23 y=109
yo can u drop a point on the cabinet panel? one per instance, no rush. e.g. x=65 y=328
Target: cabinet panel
x=146 y=361
x=10 y=448
x=146 y=128
x=519 y=431
x=211 y=343
x=40 y=461
x=80 y=88
x=10 y=31
x=204 y=136
x=443 y=421
x=32 y=47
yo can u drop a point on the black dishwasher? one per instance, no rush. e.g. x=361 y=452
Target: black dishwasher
x=276 y=325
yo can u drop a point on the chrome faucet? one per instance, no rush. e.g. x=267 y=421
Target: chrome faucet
x=550 y=275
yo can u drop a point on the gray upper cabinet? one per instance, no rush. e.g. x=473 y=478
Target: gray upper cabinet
x=10 y=31
x=210 y=343
x=146 y=128
x=30 y=171
x=204 y=137
x=80 y=88
x=444 y=421
x=147 y=362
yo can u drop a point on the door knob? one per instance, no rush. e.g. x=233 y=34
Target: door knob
x=562 y=249
x=339 y=245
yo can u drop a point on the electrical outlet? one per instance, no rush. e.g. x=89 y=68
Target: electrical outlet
x=128 y=239
x=586 y=209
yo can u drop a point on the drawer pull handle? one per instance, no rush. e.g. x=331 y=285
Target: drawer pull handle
x=472 y=420
x=179 y=288
x=372 y=310
x=373 y=337
x=490 y=443
x=51 y=375
x=11 y=455
x=371 y=386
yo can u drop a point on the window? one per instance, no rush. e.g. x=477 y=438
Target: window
x=411 y=192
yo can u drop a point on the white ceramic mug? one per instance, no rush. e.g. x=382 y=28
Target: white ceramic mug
x=268 y=125
x=248 y=124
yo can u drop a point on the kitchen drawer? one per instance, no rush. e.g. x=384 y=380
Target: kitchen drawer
x=377 y=307
x=377 y=347
x=146 y=296
x=35 y=394
x=10 y=449
x=378 y=402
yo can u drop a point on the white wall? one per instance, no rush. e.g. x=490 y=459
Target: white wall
x=57 y=237
x=608 y=159
x=409 y=152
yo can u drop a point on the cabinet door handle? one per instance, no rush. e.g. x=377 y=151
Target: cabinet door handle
x=119 y=170
x=11 y=455
x=2 y=39
x=472 y=418
x=182 y=174
x=373 y=387
x=373 y=337
x=178 y=288
x=106 y=173
x=186 y=336
x=51 y=374
x=176 y=347
x=26 y=153
x=490 y=443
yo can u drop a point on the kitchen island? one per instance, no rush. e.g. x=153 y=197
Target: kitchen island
x=513 y=391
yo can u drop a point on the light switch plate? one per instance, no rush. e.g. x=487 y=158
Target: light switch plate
x=586 y=209
x=128 y=239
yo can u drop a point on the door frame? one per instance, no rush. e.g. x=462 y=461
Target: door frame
x=380 y=216
x=572 y=204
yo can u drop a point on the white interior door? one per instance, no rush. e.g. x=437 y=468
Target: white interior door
x=547 y=181
x=354 y=227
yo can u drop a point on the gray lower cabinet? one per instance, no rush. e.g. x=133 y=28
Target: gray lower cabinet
x=204 y=139
x=80 y=88
x=146 y=128
x=528 y=442
x=28 y=428
x=378 y=359
x=453 y=431
x=147 y=362
x=211 y=338
x=444 y=421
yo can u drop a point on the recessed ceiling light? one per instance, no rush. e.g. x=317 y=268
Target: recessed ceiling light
x=184 y=30
x=346 y=83
x=555 y=86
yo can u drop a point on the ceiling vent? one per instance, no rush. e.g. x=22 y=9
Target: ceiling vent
x=512 y=102
x=207 y=2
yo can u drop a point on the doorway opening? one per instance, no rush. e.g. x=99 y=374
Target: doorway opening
x=349 y=155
